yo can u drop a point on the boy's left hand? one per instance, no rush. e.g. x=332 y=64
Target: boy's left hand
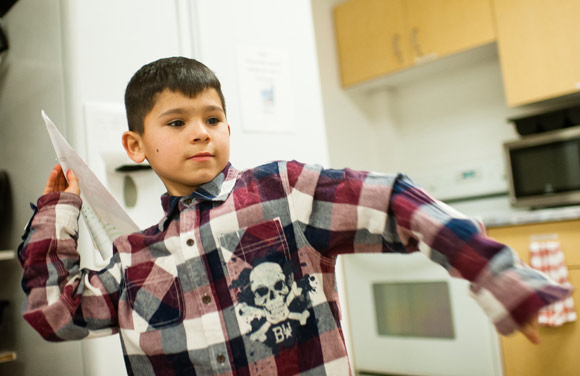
x=530 y=330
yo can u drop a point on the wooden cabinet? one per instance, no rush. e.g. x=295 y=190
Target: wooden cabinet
x=377 y=37
x=443 y=27
x=369 y=35
x=539 y=48
x=557 y=353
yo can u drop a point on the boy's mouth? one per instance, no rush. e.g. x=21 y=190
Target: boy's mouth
x=201 y=157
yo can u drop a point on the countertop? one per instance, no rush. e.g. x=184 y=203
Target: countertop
x=532 y=216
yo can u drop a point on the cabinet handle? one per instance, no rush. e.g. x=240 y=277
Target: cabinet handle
x=397 y=47
x=415 y=40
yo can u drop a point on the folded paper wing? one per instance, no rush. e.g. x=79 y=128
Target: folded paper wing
x=105 y=218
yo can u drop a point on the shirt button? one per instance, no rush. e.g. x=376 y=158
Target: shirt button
x=221 y=358
x=206 y=299
x=190 y=242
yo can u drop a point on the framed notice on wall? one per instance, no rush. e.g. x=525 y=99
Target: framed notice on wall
x=265 y=89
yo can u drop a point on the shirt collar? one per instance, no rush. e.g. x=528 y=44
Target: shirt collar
x=217 y=190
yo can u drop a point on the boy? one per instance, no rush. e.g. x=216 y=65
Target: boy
x=238 y=277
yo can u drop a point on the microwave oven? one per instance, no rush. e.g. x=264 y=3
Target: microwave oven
x=543 y=170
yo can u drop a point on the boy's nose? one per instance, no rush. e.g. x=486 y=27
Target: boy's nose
x=199 y=133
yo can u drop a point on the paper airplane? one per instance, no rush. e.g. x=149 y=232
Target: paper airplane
x=105 y=218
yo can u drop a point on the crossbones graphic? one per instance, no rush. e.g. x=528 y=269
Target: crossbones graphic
x=272 y=297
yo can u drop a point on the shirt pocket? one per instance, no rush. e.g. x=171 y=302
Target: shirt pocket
x=245 y=248
x=154 y=294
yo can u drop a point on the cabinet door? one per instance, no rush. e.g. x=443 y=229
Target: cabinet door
x=444 y=27
x=519 y=237
x=539 y=48
x=557 y=353
x=371 y=38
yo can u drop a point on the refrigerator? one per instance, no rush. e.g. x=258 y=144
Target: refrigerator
x=73 y=59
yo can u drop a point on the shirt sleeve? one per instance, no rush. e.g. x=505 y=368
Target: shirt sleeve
x=346 y=211
x=63 y=300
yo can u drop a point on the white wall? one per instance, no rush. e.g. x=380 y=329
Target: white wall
x=452 y=116
x=227 y=29
x=104 y=43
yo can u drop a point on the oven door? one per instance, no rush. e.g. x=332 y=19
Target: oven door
x=405 y=315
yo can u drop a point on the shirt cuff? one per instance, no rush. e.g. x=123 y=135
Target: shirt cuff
x=513 y=296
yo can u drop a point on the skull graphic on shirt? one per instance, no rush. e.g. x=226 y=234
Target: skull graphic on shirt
x=267 y=303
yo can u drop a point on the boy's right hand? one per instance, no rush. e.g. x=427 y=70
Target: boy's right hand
x=57 y=182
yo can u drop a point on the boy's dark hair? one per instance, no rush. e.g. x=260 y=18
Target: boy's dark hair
x=178 y=74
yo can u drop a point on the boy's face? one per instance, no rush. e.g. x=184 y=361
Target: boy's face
x=186 y=140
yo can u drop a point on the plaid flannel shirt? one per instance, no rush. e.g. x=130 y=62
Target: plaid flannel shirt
x=238 y=278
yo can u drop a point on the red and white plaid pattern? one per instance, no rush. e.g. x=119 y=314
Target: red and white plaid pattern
x=547 y=256
x=238 y=278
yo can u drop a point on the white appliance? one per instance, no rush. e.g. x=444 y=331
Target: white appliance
x=407 y=316
x=74 y=58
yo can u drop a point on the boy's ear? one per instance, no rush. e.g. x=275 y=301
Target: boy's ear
x=132 y=145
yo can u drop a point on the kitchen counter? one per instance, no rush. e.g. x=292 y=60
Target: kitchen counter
x=532 y=216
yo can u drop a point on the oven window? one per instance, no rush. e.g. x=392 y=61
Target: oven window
x=415 y=309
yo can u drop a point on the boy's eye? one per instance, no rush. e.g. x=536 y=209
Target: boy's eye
x=213 y=120
x=176 y=123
